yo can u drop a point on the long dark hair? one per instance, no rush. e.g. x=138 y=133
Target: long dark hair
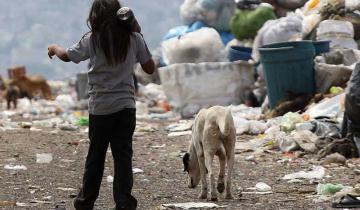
x=108 y=33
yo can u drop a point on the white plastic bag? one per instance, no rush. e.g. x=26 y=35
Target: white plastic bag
x=340 y=33
x=352 y=4
x=190 y=87
x=203 y=45
x=280 y=30
x=330 y=108
x=215 y=13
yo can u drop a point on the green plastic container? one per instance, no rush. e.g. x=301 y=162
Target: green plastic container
x=288 y=67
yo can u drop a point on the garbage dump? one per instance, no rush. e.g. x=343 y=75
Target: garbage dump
x=287 y=71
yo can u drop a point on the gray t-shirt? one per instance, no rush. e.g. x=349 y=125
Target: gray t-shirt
x=111 y=87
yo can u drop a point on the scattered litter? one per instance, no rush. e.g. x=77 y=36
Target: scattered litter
x=146 y=128
x=306 y=126
x=47 y=198
x=83 y=121
x=250 y=158
x=318 y=172
x=7 y=203
x=329 y=107
x=177 y=134
x=334 y=158
x=67 y=127
x=35 y=129
x=137 y=171
x=44 y=158
x=21 y=204
x=262 y=187
x=15 y=167
x=258 y=193
x=65 y=189
x=328 y=189
x=110 y=179
x=26 y=125
x=67 y=161
x=158 y=146
x=289 y=121
x=181 y=126
x=192 y=205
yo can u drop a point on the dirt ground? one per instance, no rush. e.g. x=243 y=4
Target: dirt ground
x=162 y=182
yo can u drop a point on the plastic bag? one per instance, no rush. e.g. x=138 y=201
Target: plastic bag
x=329 y=107
x=215 y=13
x=318 y=172
x=326 y=129
x=204 y=45
x=189 y=11
x=273 y=31
x=246 y=23
x=340 y=33
x=352 y=4
x=310 y=22
x=327 y=75
x=328 y=189
x=313 y=6
x=226 y=37
x=289 y=121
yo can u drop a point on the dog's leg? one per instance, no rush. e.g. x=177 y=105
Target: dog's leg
x=204 y=187
x=209 y=157
x=230 y=155
x=222 y=160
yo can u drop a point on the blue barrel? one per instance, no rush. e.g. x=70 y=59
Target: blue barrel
x=288 y=67
x=321 y=47
x=239 y=53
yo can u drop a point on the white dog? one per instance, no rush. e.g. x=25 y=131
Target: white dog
x=213 y=134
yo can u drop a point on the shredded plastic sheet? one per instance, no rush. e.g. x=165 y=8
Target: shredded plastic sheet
x=318 y=172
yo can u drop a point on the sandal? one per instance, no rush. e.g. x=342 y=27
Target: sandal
x=348 y=201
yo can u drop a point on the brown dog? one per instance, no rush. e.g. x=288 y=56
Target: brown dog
x=30 y=86
x=12 y=94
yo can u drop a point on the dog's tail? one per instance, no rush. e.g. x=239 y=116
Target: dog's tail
x=225 y=122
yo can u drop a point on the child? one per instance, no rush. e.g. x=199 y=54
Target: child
x=113 y=49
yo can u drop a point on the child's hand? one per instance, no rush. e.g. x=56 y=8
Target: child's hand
x=52 y=50
x=60 y=52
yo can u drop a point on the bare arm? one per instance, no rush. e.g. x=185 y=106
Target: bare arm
x=60 y=52
x=149 y=67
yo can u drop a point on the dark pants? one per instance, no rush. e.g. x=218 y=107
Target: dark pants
x=116 y=129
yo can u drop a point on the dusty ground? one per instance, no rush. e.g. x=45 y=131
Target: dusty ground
x=163 y=180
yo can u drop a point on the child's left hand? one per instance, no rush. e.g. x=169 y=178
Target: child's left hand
x=52 y=50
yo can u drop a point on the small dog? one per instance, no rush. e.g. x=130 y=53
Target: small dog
x=12 y=94
x=213 y=134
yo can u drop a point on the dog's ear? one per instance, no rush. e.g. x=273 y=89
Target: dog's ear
x=186 y=160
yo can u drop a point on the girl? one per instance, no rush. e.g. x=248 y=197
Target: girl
x=113 y=49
